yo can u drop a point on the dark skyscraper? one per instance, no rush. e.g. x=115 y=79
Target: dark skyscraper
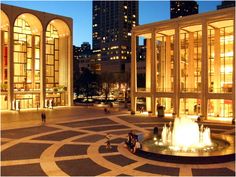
x=183 y=8
x=85 y=50
x=226 y=4
x=112 y=24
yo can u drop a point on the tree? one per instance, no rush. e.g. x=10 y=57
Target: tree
x=87 y=84
x=106 y=79
x=124 y=78
x=76 y=75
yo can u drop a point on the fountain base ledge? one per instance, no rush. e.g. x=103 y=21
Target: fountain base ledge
x=225 y=155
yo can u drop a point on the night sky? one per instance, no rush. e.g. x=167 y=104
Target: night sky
x=81 y=12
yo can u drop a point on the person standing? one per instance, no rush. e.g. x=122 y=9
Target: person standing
x=52 y=103
x=108 y=142
x=155 y=131
x=43 y=117
x=136 y=146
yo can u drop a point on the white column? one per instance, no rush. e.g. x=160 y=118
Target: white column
x=217 y=64
x=167 y=74
x=148 y=72
x=70 y=71
x=1 y=55
x=176 y=100
x=153 y=73
x=204 y=71
x=234 y=77
x=133 y=72
x=11 y=66
x=148 y=65
x=190 y=79
x=43 y=68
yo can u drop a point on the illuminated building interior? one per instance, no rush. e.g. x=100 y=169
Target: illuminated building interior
x=32 y=77
x=4 y=60
x=189 y=66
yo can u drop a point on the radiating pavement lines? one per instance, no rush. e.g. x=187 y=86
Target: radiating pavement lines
x=115 y=118
x=128 y=169
x=115 y=169
x=18 y=162
x=47 y=158
x=89 y=132
x=57 y=159
x=16 y=141
x=183 y=167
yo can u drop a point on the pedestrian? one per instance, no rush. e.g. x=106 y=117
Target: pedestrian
x=105 y=110
x=129 y=139
x=142 y=109
x=132 y=146
x=155 y=131
x=52 y=103
x=108 y=142
x=37 y=106
x=19 y=106
x=43 y=117
x=136 y=146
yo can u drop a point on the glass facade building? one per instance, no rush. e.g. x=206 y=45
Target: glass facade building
x=36 y=59
x=190 y=66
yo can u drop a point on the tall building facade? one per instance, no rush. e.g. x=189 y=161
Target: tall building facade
x=112 y=24
x=183 y=8
x=36 y=59
x=226 y=4
x=189 y=67
x=85 y=50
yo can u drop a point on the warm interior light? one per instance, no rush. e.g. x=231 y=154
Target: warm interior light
x=144 y=113
x=185 y=135
x=227 y=69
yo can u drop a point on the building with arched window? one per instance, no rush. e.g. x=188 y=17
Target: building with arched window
x=190 y=66
x=36 y=59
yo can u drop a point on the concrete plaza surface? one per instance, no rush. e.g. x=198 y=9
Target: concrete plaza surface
x=72 y=143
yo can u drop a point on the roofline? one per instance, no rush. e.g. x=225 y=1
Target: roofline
x=185 y=18
x=69 y=18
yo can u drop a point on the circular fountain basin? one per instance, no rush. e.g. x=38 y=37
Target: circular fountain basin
x=221 y=150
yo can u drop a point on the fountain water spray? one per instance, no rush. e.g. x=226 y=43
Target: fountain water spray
x=185 y=135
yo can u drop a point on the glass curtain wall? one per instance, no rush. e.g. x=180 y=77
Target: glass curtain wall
x=190 y=58
x=4 y=62
x=165 y=60
x=55 y=93
x=220 y=67
x=143 y=62
x=52 y=57
x=167 y=103
x=220 y=56
x=141 y=104
x=220 y=108
x=26 y=65
x=190 y=106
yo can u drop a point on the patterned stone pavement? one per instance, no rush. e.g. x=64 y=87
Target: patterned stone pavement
x=77 y=148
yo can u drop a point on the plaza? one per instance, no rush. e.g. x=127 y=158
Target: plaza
x=72 y=143
x=182 y=71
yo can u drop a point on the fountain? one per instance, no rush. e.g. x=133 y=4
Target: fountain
x=185 y=135
x=186 y=142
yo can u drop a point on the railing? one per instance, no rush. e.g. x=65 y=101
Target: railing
x=143 y=89
x=164 y=89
